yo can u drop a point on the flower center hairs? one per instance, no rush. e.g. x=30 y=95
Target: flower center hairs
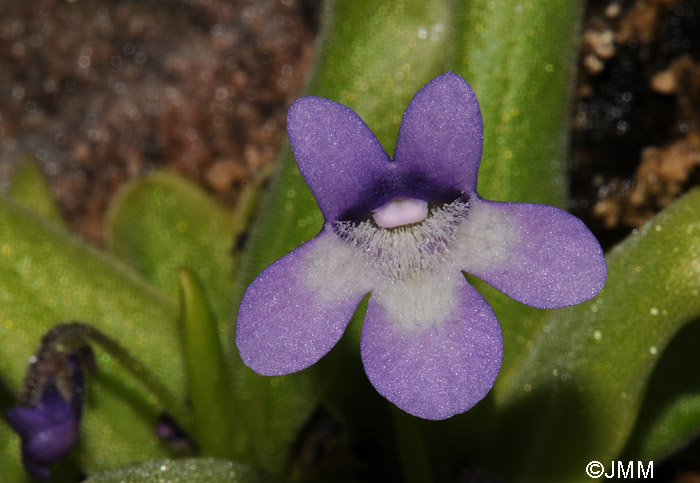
x=406 y=230
x=409 y=264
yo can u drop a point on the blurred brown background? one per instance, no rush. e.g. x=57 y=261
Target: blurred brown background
x=102 y=91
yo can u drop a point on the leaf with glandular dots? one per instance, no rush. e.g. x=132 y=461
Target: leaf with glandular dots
x=191 y=470
x=579 y=388
x=48 y=277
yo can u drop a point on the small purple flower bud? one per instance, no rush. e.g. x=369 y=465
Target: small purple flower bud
x=171 y=433
x=49 y=430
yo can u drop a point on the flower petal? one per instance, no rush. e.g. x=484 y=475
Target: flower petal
x=51 y=411
x=339 y=157
x=537 y=254
x=437 y=371
x=441 y=136
x=54 y=441
x=49 y=431
x=298 y=307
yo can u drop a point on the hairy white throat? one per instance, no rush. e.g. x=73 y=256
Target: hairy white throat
x=414 y=270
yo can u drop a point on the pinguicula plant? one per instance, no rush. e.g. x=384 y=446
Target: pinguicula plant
x=458 y=301
x=403 y=229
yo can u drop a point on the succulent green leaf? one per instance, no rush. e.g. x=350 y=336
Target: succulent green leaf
x=520 y=59
x=670 y=415
x=269 y=411
x=412 y=448
x=576 y=394
x=192 y=470
x=29 y=187
x=47 y=277
x=209 y=386
x=163 y=222
x=372 y=58
x=10 y=456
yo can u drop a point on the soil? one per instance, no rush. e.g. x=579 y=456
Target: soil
x=198 y=87
x=201 y=87
x=636 y=120
x=100 y=92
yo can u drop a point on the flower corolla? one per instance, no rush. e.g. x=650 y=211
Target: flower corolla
x=404 y=230
x=49 y=429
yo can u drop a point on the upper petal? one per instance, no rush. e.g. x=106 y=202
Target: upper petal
x=338 y=155
x=537 y=254
x=298 y=307
x=437 y=371
x=441 y=135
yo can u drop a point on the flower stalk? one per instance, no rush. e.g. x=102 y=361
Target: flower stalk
x=51 y=398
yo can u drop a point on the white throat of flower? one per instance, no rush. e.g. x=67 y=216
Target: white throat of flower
x=412 y=270
x=411 y=251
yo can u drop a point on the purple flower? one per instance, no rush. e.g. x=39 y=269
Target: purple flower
x=49 y=429
x=404 y=229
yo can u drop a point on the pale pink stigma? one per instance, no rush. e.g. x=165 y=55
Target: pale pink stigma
x=400 y=211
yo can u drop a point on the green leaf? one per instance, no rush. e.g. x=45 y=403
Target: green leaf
x=10 y=458
x=163 y=222
x=577 y=393
x=208 y=381
x=520 y=59
x=670 y=415
x=372 y=59
x=270 y=411
x=47 y=277
x=29 y=187
x=412 y=448
x=191 y=470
